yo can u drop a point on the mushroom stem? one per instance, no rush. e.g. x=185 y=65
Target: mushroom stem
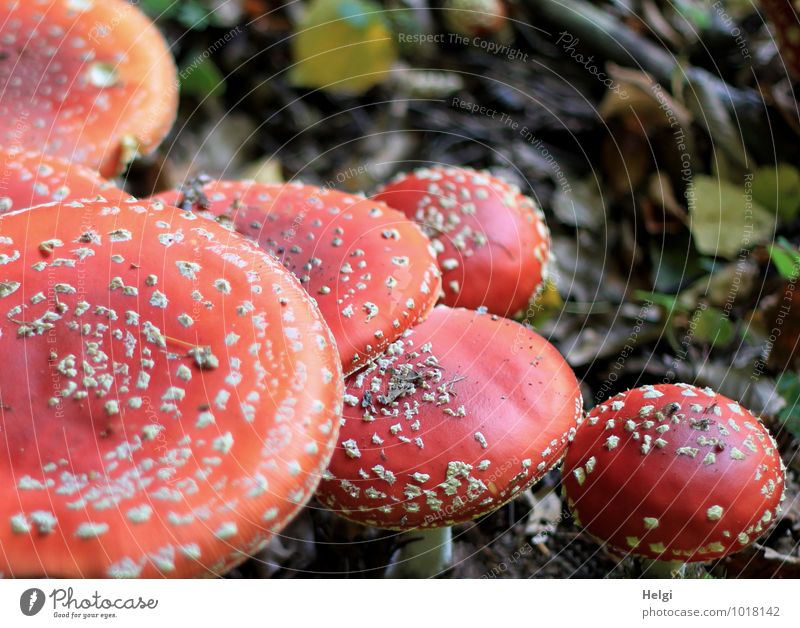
x=664 y=569
x=422 y=554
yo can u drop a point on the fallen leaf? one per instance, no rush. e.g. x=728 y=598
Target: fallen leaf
x=785 y=258
x=267 y=170
x=641 y=97
x=202 y=78
x=778 y=190
x=342 y=46
x=660 y=190
x=580 y=205
x=712 y=327
x=723 y=219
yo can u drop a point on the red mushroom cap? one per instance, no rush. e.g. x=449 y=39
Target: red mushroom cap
x=785 y=21
x=169 y=396
x=29 y=178
x=674 y=472
x=91 y=81
x=371 y=271
x=460 y=415
x=492 y=242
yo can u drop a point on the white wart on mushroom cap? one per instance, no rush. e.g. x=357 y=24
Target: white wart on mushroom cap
x=30 y=178
x=459 y=416
x=674 y=472
x=169 y=396
x=371 y=271
x=88 y=80
x=492 y=243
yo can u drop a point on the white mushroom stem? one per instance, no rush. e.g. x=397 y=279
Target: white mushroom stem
x=422 y=554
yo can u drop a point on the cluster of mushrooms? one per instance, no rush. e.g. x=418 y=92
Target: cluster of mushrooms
x=182 y=374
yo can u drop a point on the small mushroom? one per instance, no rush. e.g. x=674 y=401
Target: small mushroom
x=461 y=415
x=91 y=81
x=675 y=474
x=784 y=19
x=30 y=178
x=475 y=18
x=169 y=394
x=371 y=271
x=491 y=241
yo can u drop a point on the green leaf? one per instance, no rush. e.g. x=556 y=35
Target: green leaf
x=711 y=326
x=778 y=190
x=160 y=8
x=202 y=78
x=696 y=14
x=724 y=219
x=786 y=259
x=668 y=301
x=194 y=14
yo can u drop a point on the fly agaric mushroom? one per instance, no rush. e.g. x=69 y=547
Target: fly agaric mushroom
x=492 y=243
x=461 y=415
x=785 y=21
x=30 y=178
x=475 y=18
x=88 y=80
x=169 y=396
x=675 y=474
x=371 y=271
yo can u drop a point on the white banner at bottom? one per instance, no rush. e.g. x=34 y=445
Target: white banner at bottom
x=398 y=603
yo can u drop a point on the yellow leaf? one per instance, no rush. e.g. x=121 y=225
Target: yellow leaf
x=725 y=219
x=342 y=46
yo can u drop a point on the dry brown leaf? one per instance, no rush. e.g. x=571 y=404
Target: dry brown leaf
x=660 y=25
x=661 y=192
x=646 y=101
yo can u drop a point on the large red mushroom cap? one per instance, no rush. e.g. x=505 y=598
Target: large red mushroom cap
x=169 y=394
x=29 y=178
x=91 y=81
x=492 y=242
x=674 y=472
x=371 y=271
x=460 y=415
